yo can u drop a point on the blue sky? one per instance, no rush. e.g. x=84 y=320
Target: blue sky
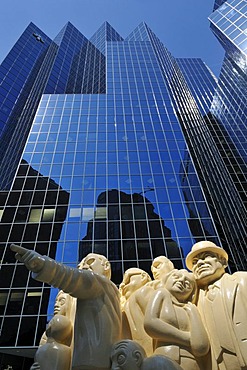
x=181 y=25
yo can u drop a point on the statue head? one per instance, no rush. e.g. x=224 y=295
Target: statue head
x=61 y=303
x=133 y=279
x=181 y=284
x=127 y=355
x=161 y=265
x=207 y=262
x=96 y=263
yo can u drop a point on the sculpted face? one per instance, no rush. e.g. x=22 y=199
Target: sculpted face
x=161 y=265
x=60 y=304
x=181 y=284
x=133 y=279
x=124 y=357
x=96 y=263
x=207 y=267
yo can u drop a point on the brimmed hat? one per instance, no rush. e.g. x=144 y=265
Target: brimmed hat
x=204 y=246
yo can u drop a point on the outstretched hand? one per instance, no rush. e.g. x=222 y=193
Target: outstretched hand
x=31 y=259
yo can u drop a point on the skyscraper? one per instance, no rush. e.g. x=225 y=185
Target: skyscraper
x=228 y=119
x=110 y=152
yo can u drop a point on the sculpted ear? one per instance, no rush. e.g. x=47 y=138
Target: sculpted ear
x=223 y=261
x=144 y=277
x=138 y=357
x=107 y=265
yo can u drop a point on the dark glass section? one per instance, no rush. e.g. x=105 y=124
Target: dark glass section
x=37 y=219
x=20 y=91
x=105 y=33
x=135 y=230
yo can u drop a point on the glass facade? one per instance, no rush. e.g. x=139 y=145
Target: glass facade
x=119 y=160
x=228 y=114
x=225 y=181
x=229 y=23
x=18 y=76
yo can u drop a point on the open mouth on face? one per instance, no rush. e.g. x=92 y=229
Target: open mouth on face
x=203 y=268
x=179 y=285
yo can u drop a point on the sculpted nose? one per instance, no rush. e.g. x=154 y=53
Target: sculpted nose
x=200 y=262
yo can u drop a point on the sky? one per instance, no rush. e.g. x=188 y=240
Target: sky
x=181 y=25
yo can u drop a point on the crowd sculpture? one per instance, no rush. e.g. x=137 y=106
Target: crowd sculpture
x=179 y=320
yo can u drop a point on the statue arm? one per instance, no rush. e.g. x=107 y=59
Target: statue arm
x=82 y=284
x=142 y=297
x=159 y=329
x=199 y=341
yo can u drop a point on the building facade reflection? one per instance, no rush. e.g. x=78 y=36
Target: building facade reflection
x=126 y=227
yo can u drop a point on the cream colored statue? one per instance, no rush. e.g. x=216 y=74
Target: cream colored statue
x=133 y=279
x=175 y=323
x=138 y=302
x=55 y=354
x=62 y=307
x=98 y=316
x=133 y=318
x=161 y=265
x=129 y=355
x=223 y=305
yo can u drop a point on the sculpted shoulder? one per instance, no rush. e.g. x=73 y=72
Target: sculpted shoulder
x=241 y=276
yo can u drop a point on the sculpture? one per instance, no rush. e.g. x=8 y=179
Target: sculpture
x=98 y=317
x=63 y=306
x=133 y=317
x=222 y=303
x=133 y=279
x=138 y=301
x=174 y=322
x=161 y=265
x=129 y=355
x=55 y=354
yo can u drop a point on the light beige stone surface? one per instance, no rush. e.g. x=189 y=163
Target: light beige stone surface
x=174 y=322
x=130 y=355
x=98 y=316
x=196 y=319
x=222 y=303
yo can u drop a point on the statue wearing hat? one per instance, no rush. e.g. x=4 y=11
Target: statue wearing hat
x=222 y=302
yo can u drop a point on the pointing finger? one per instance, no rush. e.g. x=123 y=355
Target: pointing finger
x=19 y=250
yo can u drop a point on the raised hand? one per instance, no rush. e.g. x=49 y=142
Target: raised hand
x=31 y=259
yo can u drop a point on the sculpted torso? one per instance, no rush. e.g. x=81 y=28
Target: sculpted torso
x=174 y=322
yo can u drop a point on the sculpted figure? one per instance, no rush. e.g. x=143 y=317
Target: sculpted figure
x=55 y=354
x=223 y=305
x=129 y=355
x=133 y=318
x=133 y=279
x=63 y=306
x=139 y=300
x=161 y=265
x=98 y=316
x=175 y=323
